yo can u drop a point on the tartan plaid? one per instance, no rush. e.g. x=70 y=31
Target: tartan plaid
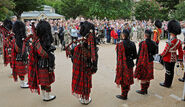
x=17 y=66
x=7 y=45
x=144 y=68
x=32 y=71
x=92 y=46
x=38 y=76
x=82 y=75
x=45 y=78
x=125 y=89
x=124 y=75
x=145 y=86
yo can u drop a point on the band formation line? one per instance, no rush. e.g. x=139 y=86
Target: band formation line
x=33 y=55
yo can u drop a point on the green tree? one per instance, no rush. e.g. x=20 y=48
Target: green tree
x=72 y=8
x=111 y=9
x=145 y=10
x=55 y=4
x=168 y=7
x=169 y=4
x=179 y=12
x=26 y=5
x=5 y=8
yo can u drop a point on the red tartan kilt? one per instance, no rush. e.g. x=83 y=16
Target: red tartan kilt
x=82 y=83
x=128 y=77
x=145 y=73
x=19 y=68
x=45 y=78
x=7 y=59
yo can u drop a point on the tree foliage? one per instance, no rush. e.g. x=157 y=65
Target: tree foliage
x=72 y=8
x=5 y=8
x=179 y=12
x=145 y=10
x=26 y=5
x=168 y=7
x=169 y=4
x=111 y=9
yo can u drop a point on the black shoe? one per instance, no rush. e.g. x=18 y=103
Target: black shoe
x=181 y=79
x=142 y=92
x=122 y=97
x=163 y=85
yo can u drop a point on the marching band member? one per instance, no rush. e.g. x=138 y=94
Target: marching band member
x=144 y=68
x=85 y=60
x=18 y=65
x=42 y=61
x=7 y=45
x=126 y=53
x=169 y=54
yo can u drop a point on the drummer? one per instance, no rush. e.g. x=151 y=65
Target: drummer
x=169 y=54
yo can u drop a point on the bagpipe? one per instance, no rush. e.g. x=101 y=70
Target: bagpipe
x=70 y=50
x=27 y=42
x=86 y=43
x=4 y=31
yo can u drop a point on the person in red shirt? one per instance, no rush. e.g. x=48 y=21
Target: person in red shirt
x=169 y=54
x=157 y=32
x=114 y=35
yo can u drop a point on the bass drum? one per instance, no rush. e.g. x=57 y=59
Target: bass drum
x=158 y=62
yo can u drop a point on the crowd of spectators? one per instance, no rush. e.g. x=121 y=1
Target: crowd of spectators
x=107 y=31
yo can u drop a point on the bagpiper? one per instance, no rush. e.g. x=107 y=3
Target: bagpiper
x=42 y=61
x=126 y=53
x=144 y=68
x=6 y=30
x=85 y=59
x=169 y=54
x=18 y=66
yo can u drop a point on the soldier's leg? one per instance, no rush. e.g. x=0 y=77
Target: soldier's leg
x=168 y=75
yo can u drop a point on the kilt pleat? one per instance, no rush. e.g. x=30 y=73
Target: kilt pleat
x=45 y=78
